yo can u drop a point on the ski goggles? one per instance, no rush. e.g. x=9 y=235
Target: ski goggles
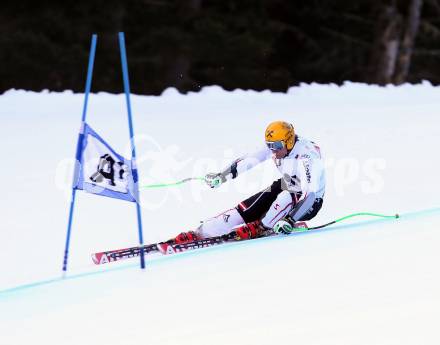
x=275 y=145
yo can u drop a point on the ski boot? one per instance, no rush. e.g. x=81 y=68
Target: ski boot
x=182 y=238
x=185 y=237
x=249 y=230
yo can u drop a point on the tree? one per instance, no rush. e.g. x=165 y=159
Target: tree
x=407 y=45
x=395 y=37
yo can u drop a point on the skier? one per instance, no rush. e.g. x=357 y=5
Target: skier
x=296 y=196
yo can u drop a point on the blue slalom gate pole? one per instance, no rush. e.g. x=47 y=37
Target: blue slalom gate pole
x=78 y=148
x=133 y=151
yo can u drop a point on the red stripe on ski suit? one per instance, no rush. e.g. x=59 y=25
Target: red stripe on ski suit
x=281 y=212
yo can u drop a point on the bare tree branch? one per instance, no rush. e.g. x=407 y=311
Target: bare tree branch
x=386 y=46
x=411 y=29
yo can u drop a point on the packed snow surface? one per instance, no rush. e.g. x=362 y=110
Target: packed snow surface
x=362 y=281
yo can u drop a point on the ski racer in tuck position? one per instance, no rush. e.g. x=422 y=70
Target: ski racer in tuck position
x=296 y=196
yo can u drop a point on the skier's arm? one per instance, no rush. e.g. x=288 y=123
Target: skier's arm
x=310 y=171
x=237 y=167
x=245 y=163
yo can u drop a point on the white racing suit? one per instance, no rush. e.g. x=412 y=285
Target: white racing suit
x=299 y=192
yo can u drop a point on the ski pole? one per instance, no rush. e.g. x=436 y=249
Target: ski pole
x=162 y=185
x=347 y=217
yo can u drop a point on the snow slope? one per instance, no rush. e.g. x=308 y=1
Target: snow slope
x=361 y=282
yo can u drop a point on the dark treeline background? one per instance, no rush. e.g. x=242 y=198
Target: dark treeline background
x=248 y=44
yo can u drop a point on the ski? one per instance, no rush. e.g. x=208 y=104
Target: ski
x=166 y=248
x=100 y=258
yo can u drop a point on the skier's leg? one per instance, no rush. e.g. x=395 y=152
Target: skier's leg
x=306 y=209
x=221 y=224
x=300 y=212
x=254 y=207
x=282 y=205
x=248 y=211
